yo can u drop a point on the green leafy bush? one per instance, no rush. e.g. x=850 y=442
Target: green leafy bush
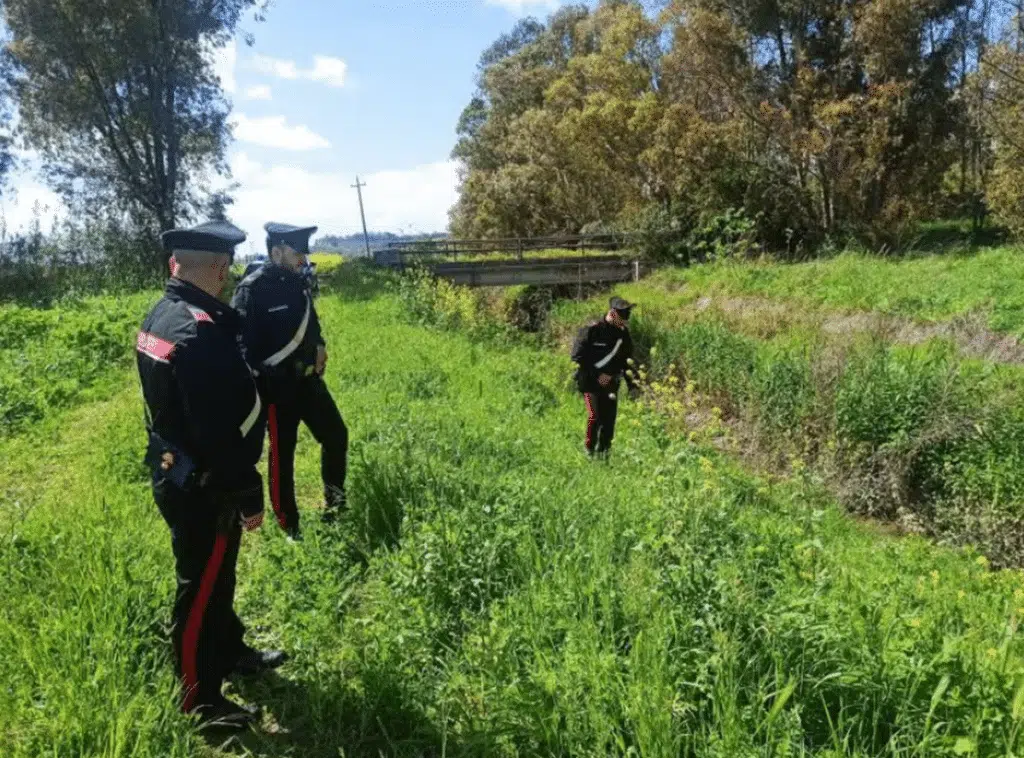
x=51 y=359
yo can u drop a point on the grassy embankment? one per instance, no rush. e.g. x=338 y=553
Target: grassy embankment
x=897 y=383
x=492 y=593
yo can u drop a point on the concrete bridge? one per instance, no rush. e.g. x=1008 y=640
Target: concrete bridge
x=552 y=271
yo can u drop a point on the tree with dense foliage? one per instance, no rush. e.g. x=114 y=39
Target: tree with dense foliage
x=1002 y=82
x=120 y=100
x=819 y=119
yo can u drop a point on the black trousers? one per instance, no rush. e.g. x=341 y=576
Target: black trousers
x=602 y=410
x=310 y=402
x=205 y=630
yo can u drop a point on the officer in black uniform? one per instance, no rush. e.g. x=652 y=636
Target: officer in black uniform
x=205 y=423
x=603 y=349
x=287 y=351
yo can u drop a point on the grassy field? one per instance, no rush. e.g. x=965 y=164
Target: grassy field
x=54 y=358
x=326 y=263
x=910 y=410
x=493 y=593
x=928 y=287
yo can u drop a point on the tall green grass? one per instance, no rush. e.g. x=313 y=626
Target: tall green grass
x=52 y=359
x=494 y=593
x=910 y=433
x=934 y=287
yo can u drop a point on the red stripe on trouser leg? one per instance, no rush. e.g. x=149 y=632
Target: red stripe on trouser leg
x=275 y=466
x=194 y=625
x=591 y=420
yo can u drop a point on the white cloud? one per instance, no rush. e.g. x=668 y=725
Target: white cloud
x=416 y=199
x=521 y=7
x=224 y=60
x=275 y=67
x=330 y=71
x=326 y=70
x=275 y=131
x=259 y=92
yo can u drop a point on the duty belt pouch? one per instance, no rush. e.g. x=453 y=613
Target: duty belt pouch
x=182 y=474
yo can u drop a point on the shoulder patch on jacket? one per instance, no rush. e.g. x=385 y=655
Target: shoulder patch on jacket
x=199 y=314
x=154 y=347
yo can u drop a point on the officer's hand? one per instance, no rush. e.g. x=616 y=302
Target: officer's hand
x=321 y=359
x=604 y=380
x=245 y=505
x=252 y=523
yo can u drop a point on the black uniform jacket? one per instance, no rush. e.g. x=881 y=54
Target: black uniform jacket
x=201 y=399
x=279 y=323
x=602 y=348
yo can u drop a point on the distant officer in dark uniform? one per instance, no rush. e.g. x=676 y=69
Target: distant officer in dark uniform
x=602 y=350
x=205 y=422
x=287 y=351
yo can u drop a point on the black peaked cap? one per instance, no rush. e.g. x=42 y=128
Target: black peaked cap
x=219 y=237
x=296 y=237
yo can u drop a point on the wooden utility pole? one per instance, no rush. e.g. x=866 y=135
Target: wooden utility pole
x=366 y=237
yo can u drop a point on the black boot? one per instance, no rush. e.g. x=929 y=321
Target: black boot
x=335 y=503
x=222 y=713
x=252 y=662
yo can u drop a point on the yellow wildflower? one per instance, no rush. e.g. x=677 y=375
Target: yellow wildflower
x=916 y=623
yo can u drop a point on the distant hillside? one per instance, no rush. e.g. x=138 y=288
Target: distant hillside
x=354 y=245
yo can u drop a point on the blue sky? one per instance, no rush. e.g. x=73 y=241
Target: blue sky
x=335 y=88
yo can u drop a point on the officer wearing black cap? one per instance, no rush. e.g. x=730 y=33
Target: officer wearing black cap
x=205 y=422
x=287 y=351
x=602 y=350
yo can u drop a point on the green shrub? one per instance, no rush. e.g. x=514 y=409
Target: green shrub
x=731 y=235
x=887 y=394
x=661 y=235
x=436 y=302
x=50 y=359
x=783 y=390
x=717 y=359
